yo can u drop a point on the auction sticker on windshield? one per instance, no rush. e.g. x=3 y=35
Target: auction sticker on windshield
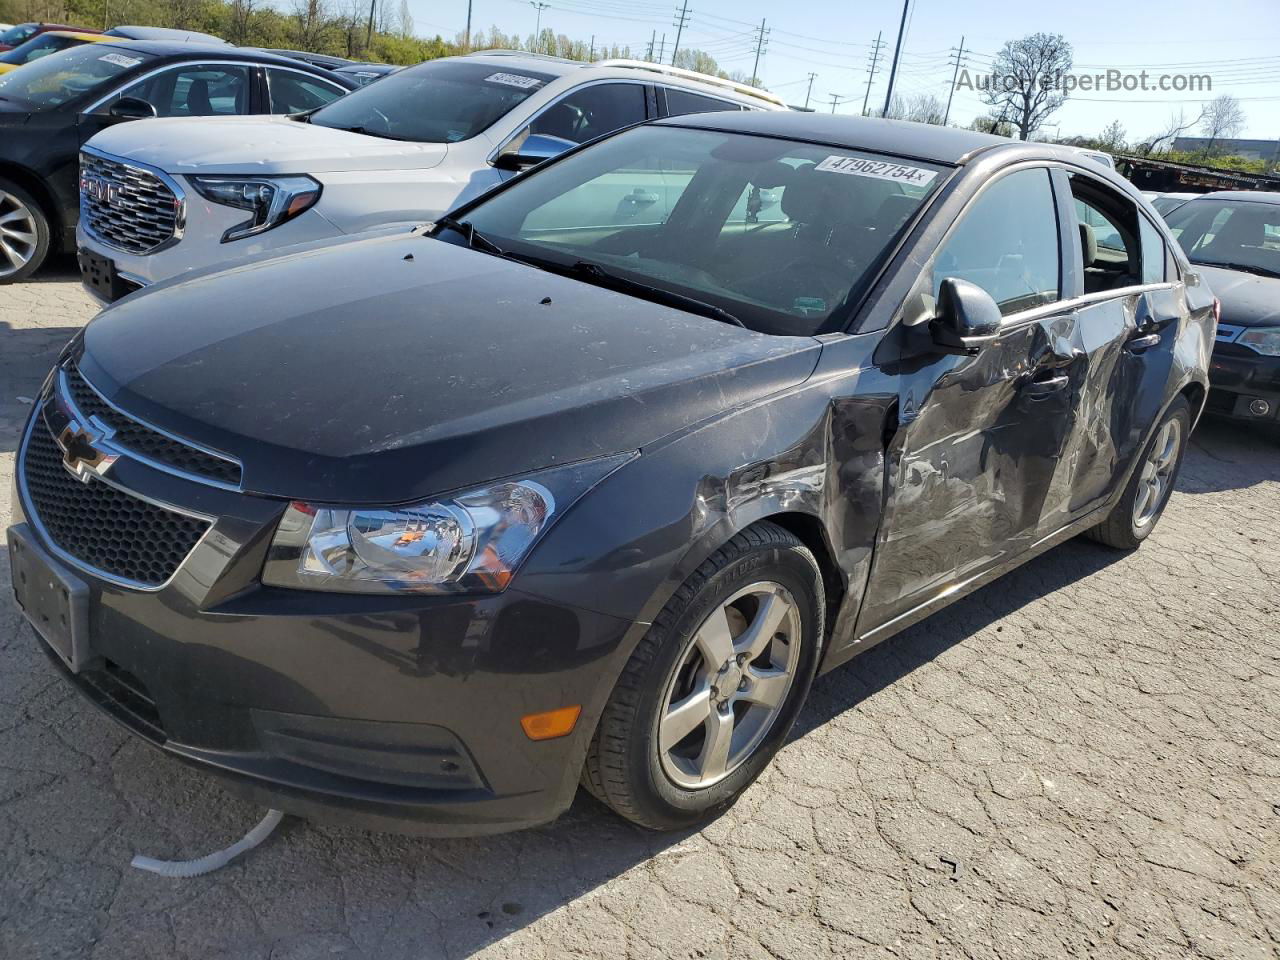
x=513 y=80
x=120 y=60
x=880 y=169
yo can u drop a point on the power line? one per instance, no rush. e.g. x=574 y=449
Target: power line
x=954 y=76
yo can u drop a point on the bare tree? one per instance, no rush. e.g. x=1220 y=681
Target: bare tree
x=1112 y=137
x=406 y=20
x=1025 y=86
x=1178 y=125
x=312 y=18
x=241 y=14
x=1223 y=119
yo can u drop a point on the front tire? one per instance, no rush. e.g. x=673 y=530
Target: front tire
x=711 y=692
x=24 y=233
x=1135 y=515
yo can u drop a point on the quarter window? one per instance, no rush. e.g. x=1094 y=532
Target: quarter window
x=1007 y=243
x=1153 y=258
x=592 y=112
x=297 y=93
x=681 y=103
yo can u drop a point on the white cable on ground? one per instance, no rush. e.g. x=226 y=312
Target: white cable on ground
x=214 y=861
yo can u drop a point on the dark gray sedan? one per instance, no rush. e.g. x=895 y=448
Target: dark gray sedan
x=586 y=482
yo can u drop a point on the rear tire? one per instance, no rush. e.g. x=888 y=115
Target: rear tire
x=681 y=739
x=1136 y=513
x=24 y=233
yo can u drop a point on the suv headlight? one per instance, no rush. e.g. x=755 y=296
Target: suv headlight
x=472 y=542
x=1265 y=340
x=271 y=200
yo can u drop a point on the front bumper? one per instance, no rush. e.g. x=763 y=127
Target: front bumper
x=389 y=713
x=1244 y=384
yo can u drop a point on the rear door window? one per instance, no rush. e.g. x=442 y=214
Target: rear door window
x=293 y=92
x=1007 y=243
x=592 y=112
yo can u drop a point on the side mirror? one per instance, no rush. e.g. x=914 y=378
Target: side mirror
x=131 y=108
x=535 y=148
x=967 y=317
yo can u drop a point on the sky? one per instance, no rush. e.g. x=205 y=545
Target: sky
x=1234 y=42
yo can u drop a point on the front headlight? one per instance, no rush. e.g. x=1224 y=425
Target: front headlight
x=1265 y=340
x=472 y=542
x=270 y=200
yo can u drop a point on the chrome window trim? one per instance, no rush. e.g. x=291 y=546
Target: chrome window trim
x=180 y=195
x=33 y=518
x=1085 y=300
x=533 y=117
x=68 y=398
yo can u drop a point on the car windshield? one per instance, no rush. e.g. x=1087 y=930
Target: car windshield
x=1238 y=234
x=782 y=235
x=439 y=102
x=53 y=80
x=38 y=47
x=1166 y=205
x=19 y=34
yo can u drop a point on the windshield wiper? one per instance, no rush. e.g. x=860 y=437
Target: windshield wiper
x=1242 y=267
x=594 y=273
x=475 y=240
x=365 y=131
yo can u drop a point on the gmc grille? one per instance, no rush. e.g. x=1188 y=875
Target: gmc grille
x=127 y=207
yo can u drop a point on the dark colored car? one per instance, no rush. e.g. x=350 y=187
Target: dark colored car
x=163 y=33
x=1233 y=239
x=590 y=491
x=366 y=73
x=49 y=108
x=322 y=60
x=23 y=32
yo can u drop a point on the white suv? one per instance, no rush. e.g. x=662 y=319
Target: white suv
x=397 y=153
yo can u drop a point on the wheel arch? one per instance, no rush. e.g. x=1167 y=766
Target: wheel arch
x=1197 y=395
x=35 y=185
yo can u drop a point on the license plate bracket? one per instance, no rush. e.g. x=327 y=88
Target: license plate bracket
x=100 y=275
x=54 y=600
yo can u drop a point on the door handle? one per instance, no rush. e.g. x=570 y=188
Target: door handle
x=1041 y=387
x=1142 y=342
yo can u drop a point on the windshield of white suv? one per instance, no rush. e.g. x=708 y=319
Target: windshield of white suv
x=443 y=101
x=1237 y=234
x=53 y=80
x=783 y=236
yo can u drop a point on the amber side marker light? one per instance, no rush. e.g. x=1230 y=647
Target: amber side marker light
x=551 y=724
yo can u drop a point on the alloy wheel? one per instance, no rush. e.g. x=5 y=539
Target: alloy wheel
x=730 y=685
x=17 y=234
x=1157 y=474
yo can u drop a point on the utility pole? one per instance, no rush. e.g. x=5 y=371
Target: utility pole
x=871 y=76
x=591 y=57
x=954 y=76
x=368 y=39
x=835 y=101
x=897 y=52
x=653 y=40
x=761 y=42
x=662 y=46
x=681 y=19
x=537 y=31
x=809 y=92
x=468 y=26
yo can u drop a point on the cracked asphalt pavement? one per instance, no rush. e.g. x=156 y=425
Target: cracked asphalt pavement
x=1081 y=760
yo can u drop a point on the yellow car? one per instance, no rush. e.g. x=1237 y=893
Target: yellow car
x=44 y=44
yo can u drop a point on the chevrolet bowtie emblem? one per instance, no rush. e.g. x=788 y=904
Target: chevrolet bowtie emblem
x=80 y=453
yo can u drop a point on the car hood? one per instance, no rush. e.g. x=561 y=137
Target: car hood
x=1248 y=300
x=184 y=145
x=391 y=369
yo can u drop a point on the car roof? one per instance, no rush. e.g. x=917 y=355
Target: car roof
x=630 y=70
x=136 y=32
x=1257 y=196
x=76 y=35
x=901 y=137
x=176 y=49
x=304 y=55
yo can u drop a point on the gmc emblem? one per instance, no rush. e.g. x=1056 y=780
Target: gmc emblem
x=95 y=188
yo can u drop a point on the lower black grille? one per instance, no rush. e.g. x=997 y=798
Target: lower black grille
x=149 y=443
x=1220 y=402
x=124 y=695
x=104 y=528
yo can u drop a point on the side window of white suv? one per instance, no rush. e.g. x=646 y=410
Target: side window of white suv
x=592 y=112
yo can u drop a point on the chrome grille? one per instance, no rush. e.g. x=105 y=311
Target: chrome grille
x=126 y=206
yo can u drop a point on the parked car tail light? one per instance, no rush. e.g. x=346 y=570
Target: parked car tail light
x=271 y=200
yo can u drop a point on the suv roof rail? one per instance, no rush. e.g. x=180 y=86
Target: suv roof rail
x=739 y=88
